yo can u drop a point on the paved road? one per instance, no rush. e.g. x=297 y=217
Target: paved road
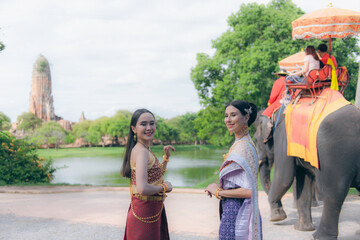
x=28 y=213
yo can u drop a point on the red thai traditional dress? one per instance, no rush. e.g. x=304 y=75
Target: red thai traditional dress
x=146 y=217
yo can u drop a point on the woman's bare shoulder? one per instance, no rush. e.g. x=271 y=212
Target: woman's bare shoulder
x=139 y=153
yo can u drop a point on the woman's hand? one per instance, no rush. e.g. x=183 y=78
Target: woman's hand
x=211 y=189
x=167 y=151
x=169 y=186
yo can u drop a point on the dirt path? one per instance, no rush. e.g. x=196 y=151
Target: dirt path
x=99 y=213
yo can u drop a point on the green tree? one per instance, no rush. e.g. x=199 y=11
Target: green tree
x=80 y=130
x=5 y=122
x=210 y=126
x=28 y=122
x=164 y=132
x=245 y=57
x=119 y=125
x=101 y=129
x=184 y=129
x=123 y=114
x=69 y=138
x=49 y=133
x=19 y=162
x=98 y=130
x=2 y=46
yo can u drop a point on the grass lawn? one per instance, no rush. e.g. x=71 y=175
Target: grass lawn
x=81 y=152
x=107 y=151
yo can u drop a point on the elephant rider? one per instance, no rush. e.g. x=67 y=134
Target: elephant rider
x=277 y=93
x=324 y=56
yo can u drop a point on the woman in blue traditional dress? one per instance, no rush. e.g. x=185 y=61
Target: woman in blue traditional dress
x=237 y=188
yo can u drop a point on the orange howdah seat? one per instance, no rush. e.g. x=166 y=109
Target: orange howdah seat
x=319 y=78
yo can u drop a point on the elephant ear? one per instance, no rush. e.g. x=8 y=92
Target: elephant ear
x=266 y=128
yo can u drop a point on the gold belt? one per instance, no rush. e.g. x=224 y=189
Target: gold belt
x=149 y=198
x=150 y=219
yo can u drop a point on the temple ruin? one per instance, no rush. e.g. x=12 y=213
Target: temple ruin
x=41 y=99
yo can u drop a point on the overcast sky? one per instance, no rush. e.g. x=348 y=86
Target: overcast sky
x=107 y=55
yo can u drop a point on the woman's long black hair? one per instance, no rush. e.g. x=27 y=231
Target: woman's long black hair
x=126 y=170
x=245 y=108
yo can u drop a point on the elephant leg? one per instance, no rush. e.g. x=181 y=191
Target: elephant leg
x=264 y=173
x=283 y=178
x=315 y=195
x=328 y=228
x=294 y=193
x=333 y=201
x=304 y=195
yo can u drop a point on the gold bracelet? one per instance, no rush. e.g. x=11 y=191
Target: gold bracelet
x=165 y=159
x=217 y=193
x=163 y=191
x=166 y=187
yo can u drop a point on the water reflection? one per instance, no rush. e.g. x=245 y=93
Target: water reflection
x=186 y=169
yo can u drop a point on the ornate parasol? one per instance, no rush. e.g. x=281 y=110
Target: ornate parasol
x=326 y=24
x=293 y=62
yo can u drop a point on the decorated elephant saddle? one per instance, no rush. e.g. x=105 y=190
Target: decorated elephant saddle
x=303 y=119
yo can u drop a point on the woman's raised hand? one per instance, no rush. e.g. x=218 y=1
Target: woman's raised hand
x=167 y=151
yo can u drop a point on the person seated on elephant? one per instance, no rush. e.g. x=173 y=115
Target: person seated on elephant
x=277 y=93
x=322 y=50
x=311 y=61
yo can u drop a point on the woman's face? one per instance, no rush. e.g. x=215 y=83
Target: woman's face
x=234 y=120
x=145 y=127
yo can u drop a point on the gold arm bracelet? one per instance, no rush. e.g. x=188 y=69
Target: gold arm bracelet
x=165 y=159
x=217 y=193
x=161 y=193
x=166 y=187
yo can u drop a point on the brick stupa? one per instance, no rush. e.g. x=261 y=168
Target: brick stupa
x=41 y=99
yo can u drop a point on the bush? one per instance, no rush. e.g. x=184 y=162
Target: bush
x=19 y=162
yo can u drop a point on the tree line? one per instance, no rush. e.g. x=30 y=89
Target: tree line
x=104 y=131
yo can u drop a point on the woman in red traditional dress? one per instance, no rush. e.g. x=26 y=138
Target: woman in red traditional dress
x=146 y=217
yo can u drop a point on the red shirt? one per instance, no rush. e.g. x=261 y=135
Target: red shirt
x=275 y=96
x=325 y=58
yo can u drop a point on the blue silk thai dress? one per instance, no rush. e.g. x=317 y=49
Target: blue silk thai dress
x=240 y=217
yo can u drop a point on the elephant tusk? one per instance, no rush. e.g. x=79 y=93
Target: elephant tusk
x=260 y=162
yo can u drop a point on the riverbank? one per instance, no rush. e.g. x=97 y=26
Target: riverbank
x=89 y=212
x=111 y=151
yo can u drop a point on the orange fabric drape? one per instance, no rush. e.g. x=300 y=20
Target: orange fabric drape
x=303 y=121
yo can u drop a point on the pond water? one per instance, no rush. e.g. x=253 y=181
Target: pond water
x=185 y=169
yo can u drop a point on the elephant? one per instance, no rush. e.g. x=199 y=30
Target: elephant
x=339 y=157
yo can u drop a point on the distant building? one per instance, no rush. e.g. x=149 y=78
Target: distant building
x=41 y=99
x=82 y=117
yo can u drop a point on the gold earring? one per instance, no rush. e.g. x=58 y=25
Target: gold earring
x=135 y=136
